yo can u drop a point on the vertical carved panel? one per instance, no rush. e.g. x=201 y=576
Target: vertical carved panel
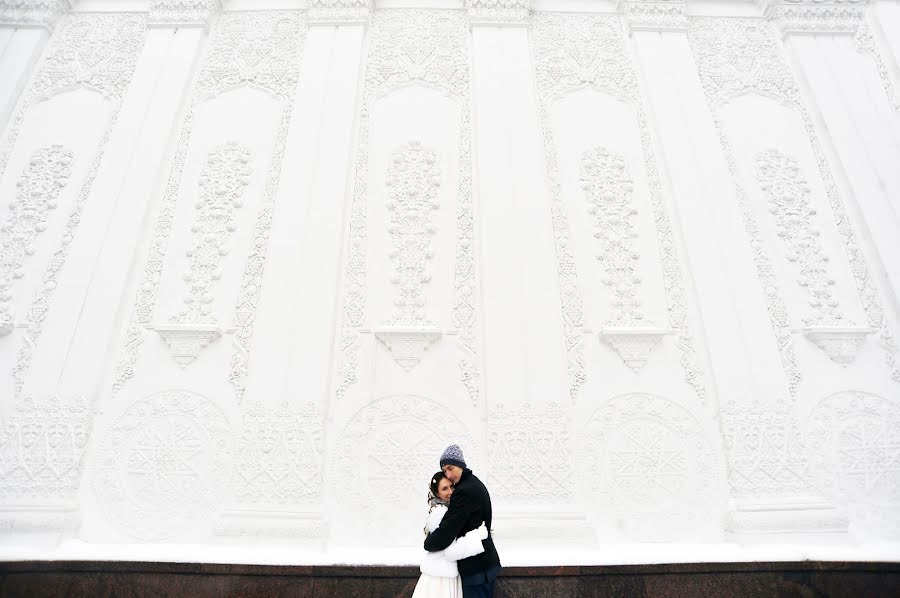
x=262 y=49
x=532 y=440
x=428 y=48
x=41 y=451
x=222 y=184
x=737 y=56
x=413 y=183
x=94 y=52
x=787 y=192
x=608 y=186
x=571 y=53
x=37 y=194
x=280 y=456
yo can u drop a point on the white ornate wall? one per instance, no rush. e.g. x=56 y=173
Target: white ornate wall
x=260 y=261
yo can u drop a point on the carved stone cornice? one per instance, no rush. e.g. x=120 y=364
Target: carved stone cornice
x=183 y=13
x=498 y=12
x=339 y=12
x=654 y=15
x=816 y=16
x=33 y=13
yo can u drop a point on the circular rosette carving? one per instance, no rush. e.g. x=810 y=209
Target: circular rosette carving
x=164 y=464
x=647 y=461
x=385 y=457
x=854 y=444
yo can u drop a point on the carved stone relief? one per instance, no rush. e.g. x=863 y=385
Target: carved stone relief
x=428 y=48
x=390 y=449
x=280 y=457
x=865 y=42
x=769 y=474
x=183 y=13
x=37 y=194
x=413 y=182
x=222 y=183
x=854 y=440
x=262 y=49
x=95 y=52
x=163 y=464
x=608 y=187
x=41 y=13
x=530 y=443
x=570 y=53
x=41 y=451
x=737 y=56
x=647 y=462
x=498 y=12
x=339 y=11
x=788 y=195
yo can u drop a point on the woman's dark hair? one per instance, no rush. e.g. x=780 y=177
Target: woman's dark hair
x=435 y=481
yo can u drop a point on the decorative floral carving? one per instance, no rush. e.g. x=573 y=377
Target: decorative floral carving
x=533 y=440
x=665 y=15
x=42 y=448
x=339 y=11
x=737 y=56
x=498 y=12
x=280 y=455
x=607 y=187
x=767 y=458
x=572 y=52
x=769 y=474
x=389 y=449
x=222 y=184
x=647 y=460
x=865 y=42
x=97 y=52
x=413 y=183
x=817 y=17
x=854 y=439
x=183 y=13
x=40 y=13
x=262 y=49
x=788 y=193
x=428 y=48
x=162 y=465
x=38 y=189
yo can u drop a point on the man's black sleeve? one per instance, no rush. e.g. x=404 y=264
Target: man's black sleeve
x=460 y=508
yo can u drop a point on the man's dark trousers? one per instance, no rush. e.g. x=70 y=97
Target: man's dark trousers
x=481 y=584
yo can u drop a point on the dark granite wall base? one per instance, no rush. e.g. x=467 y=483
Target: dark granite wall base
x=704 y=580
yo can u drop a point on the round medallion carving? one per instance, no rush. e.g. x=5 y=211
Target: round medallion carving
x=164 y=464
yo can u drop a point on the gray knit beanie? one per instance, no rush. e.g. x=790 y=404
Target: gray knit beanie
x=452 y=455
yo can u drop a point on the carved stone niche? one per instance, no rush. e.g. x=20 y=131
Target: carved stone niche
x=787 y=515
x=840 y=343
x=185 y=341
x=633 y=344
x=408 y=344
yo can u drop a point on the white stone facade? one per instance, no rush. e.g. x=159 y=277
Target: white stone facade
x=261 y=261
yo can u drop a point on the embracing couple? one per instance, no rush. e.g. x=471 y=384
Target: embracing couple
x=461 y=561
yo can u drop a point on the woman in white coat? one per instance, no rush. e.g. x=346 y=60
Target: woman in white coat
x=440 y=577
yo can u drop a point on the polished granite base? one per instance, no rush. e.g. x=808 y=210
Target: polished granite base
x=809 y=579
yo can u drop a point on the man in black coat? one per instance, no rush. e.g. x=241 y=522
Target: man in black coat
x=470 y=506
